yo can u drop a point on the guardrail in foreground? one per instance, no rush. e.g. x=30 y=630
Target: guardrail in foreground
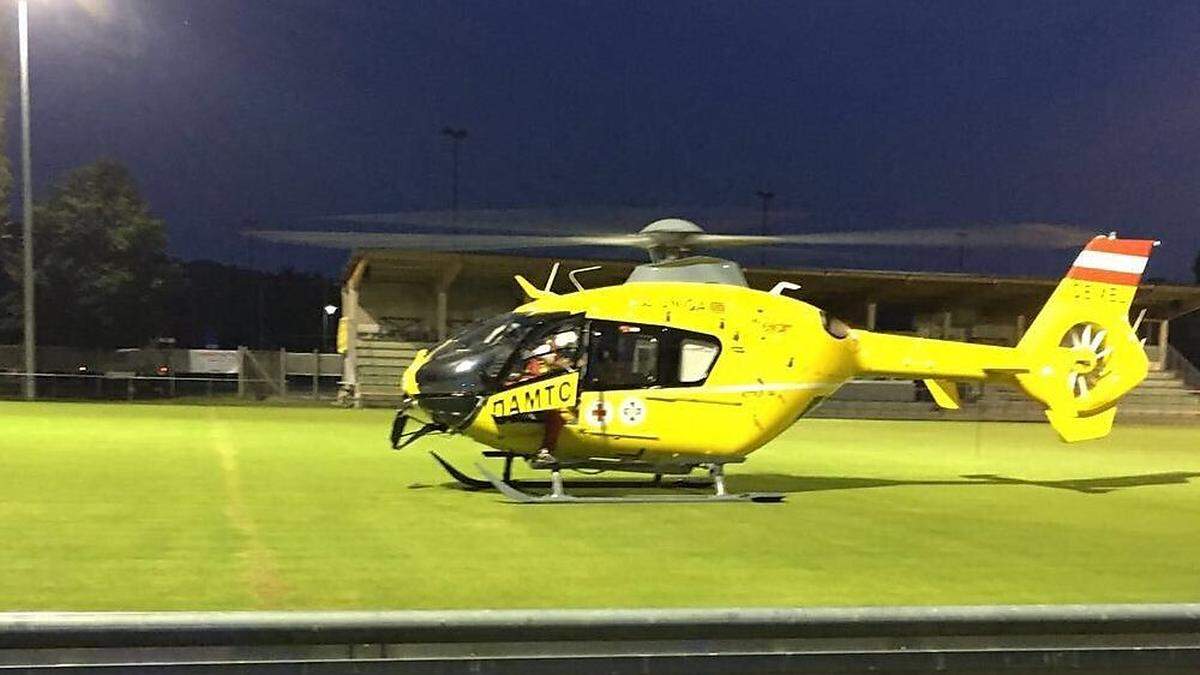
x=996 y=638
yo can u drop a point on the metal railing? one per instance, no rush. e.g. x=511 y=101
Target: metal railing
x=159 y=372
x=117 y=386
x=1083 y=638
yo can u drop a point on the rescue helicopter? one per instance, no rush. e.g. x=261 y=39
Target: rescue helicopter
x=684 y=367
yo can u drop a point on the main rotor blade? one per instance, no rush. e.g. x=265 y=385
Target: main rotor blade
x=1021 y=235
x=574 y=220
x=441 y=242
x=529 y=221
x=1026 y=235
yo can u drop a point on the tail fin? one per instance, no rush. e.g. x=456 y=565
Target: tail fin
x=1086 y=354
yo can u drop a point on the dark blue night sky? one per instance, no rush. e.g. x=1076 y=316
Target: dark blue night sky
x=872 y=114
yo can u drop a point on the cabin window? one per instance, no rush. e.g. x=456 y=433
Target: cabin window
x=635 y=356
x=622 y=356
x=696 y=358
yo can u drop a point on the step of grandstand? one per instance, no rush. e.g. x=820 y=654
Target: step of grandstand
x=380 y=363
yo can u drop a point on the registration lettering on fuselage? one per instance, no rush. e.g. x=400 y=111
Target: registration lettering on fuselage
x=553 y=393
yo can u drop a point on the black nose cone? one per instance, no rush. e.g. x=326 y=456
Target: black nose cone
x=456 y=372
x=452 y=386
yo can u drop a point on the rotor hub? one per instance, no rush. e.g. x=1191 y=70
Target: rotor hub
x=1085 y=362
x=670 y=238
x=672 y=226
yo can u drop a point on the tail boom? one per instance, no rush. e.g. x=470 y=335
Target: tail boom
x=902 y=356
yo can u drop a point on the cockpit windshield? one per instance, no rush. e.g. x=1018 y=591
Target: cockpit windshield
x=502 y=328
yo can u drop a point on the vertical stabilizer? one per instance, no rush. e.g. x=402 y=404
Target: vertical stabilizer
x=1084 y=354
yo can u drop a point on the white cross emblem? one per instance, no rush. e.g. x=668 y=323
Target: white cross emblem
x=633 y=411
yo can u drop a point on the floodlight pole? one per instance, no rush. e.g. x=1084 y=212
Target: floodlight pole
x=766 y=196
x=27 y=204
x=456 y=137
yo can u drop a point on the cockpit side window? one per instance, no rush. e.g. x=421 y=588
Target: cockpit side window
x=551 y=350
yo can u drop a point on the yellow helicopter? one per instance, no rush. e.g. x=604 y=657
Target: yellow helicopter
x=684 y=367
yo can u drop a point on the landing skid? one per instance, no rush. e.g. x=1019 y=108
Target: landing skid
x=559 y=496
x=473 y=483
x=469 y=482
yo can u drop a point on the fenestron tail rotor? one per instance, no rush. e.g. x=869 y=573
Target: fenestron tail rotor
x=1090 y=341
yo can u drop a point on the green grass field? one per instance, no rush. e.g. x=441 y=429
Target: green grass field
x=110 y=506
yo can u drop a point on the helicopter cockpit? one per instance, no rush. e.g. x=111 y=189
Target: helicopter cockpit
x=492 y=354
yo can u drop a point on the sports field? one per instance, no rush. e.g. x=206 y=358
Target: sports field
x=111 y=506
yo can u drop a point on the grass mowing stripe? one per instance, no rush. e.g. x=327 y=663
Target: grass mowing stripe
x=259 y=567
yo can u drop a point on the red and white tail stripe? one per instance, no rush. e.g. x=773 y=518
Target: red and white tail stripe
x=1113 y=261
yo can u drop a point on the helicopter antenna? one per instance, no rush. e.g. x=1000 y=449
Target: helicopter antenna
x=553 y=274
x=572 y=273
x=782 y=286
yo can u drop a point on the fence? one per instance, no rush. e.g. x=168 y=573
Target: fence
x=139 y=374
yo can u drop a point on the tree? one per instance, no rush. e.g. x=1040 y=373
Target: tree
x=102 y=272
